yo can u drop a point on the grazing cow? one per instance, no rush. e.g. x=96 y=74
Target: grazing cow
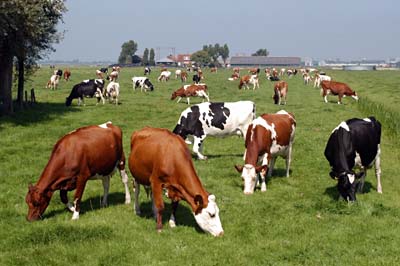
x=164 y=76
x=254 y=71
x=236 y=70
x=214 y=119
x=280 y=91
x=67 y=74
x=336 y=88
x=147 y=71
x=113 y=75
x=247 y=79
x=178 y=73
x=112 y=92
x=268 y=136
x=282 y=72
x=160 y=160
x=354 y=143
x=234 y=76
x=273 y=78
x=92 y=152
x=53 y=82
x=116 y=68
x=196 y=79
x=184 y=76
x=143 y=83
x=193 y=90
x=87 y=88
x=318 y=78
x=306 y=78
x=214 y=70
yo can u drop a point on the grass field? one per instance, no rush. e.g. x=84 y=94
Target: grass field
x=298 y=221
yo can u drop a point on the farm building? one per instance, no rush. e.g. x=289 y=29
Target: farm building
x=264 y=61
x=165 y=62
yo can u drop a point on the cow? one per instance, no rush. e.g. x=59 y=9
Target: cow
x=92 y=152
x=214 y=119
x=178 y=73
x=354 y=143
x=87 y=88
x=113 y=75
x=249 y=79
x=143 y=83
x=164 y=76
x=58 y=72
x=318 y=77
x=306 y=78
x=234 y=76
x=268 y=136
x=100 y=72
x=336 y=88
x=147 y=71
x=53 y=82
x=254 y=71
x=214 y=70
x=112 y=92
x=184 y=76
x=193 y=90
x=160 y=160
x=67 y=74
x=280 y=91
x=282 y=72
x=196 y=78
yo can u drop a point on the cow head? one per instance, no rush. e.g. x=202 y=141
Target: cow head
x=37 y=202
x=173 y=95
x=207 y=217
x=354 y=96
x=148 y=84
x=249 y=176
x=347 y=184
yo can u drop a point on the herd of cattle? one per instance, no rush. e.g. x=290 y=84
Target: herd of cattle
x=160 y=160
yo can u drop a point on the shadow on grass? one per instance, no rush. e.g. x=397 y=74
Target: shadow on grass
x=90 y=204
x=184 y=215
x=216 y=156
x=333 y=192
x=37 y=113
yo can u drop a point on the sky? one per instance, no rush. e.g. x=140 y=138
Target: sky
x=320 y=29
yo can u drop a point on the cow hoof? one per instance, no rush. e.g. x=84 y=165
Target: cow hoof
x=128 y=201
x=75 y=216
x=263 y=188
x=380 y=191
x=172 y=223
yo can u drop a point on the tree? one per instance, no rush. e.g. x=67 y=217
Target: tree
x=201 y=57
x=145 y=59
x=128 y=49
x=261 y=52
x=152 y=62
x=28 y=31
x=224 y=52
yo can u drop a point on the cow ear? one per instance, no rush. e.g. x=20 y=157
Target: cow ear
x=198 y=201
x=239 y=168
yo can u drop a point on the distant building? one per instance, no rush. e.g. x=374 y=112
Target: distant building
x=165 y=61
x=181 y=59
x=265 y=61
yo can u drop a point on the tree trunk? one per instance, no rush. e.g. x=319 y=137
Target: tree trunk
x=6 y=65
x=21 y=71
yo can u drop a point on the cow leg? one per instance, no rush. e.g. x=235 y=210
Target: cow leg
x=106 y=186
x=157 y=202
x=360 y=185
x=198 y=146
x=80 y=187
x=125 y=179
x=271 y=167
x=378 y=170
x=263 y=184
x=188 y=100
x=64 y=199
x=136 y=189
x=340 y=99
x=172 y=221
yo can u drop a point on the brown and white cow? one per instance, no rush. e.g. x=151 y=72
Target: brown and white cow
x=249 y=79
x=67 y=74
x=184 y=76
x=336 y=88
x=234 y=76
x=192 y=90
x=280 y=92
x=91 y=152
x=53 y=82
x=214 y=70
x=161 y=160
x=254 y=71
x=269 y=136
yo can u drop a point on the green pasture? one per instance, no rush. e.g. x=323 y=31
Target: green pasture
x=298 y=221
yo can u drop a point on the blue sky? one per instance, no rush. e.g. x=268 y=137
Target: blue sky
x=345 y=29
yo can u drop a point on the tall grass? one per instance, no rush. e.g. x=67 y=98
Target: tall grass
x=298 y=221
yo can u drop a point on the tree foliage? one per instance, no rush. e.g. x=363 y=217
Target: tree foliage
x=27 y=33
x=128 y=49
x=152 y=61
x=261 y=52
x=215 y=51
x=201 y=58
x=224 y=52
x=145 y=59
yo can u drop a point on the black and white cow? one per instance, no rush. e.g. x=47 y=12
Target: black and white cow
x=143 y=83
x=87 y=88
x=214 y=119
x=196 y=79
x=354 y=143
x=147 y=71
x=58 y=72
x=104 y=70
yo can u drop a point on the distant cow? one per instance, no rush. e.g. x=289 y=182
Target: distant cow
x=67 y=74
x=112 y=92
x=268 y=136
x=193 y=90
x=87 y=88
x=58 y=72
x=254 y=71
x=184 y=76
x=53 y=82
x=100 y=72
x=214 y=119
x=234 y=76
x=92 y=152
x=143 y=83
x=113 y=75
x=160 y=160
x=280 y=92
x=354 y=143
x=318 y=78
x=164 y=76
x=147 y=71
x=249 y=79
x=196 y=79
x=178 y=73
x=336 y=88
